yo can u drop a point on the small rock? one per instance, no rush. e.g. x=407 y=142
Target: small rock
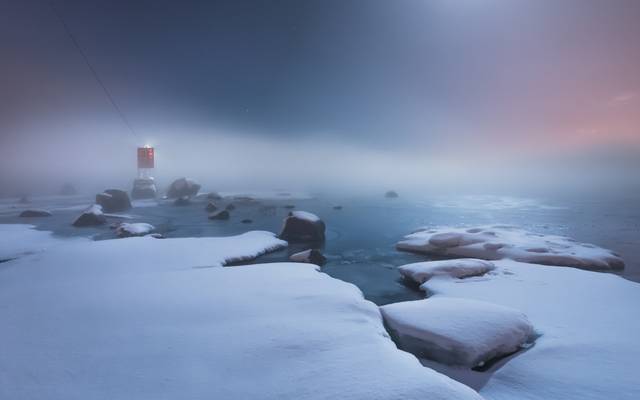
x=337 y=207
x=35 y=213
x=246 y=221
x=391 y=194
x=289 y=206
x=222 y=215
x=211 y=207
x=136 y=229
x=311 y=256
x=91 y=217
x=230 y=207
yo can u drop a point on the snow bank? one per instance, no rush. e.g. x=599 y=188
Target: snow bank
x=421 y=272
x=590 y=325
x=133 y=318
x=499 y=241
x=305 y=215
x=17 y=240
x=134 y=229
x=457 y=331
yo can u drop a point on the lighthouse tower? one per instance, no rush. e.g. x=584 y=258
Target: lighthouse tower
x=144 y=187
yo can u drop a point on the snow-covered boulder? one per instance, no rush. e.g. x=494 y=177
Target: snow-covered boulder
x=160 y=319
x=221 y=215
x=183 y=187
x=92 y=216
x=302 y=226
x=311 y=256
x=144 y=188
x=421 y=272
x=457 y=331
x=499 y=241
x=35 y=213
x=113 y=200
x=134 y=229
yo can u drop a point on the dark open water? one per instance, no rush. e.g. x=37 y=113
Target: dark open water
x=361 y=236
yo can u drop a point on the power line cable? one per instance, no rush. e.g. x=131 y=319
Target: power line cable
x=93 y=71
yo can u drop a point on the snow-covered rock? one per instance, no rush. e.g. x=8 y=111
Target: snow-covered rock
x=214 y=196
x=589 y=324
x=391 y=194
x=113 y=200
x=302 y=226
x=311 y=256
x=144 y=188
x=134 y=229
x=144 y=318
x=457 y=331
x=421 y=272
x=35 y=212
x=90 y=217
x=183 y=187
x=220 y=215
x=211 y=207
x=499 y=241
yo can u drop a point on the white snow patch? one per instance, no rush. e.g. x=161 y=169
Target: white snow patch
x=421 y=272
x=305 y=215
x=120 y=318
x=590 y=325
x=134 y=229
x=500 y=241
x=457 y=331
x=20 y=239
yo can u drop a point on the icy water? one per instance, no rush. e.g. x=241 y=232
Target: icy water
x=361 y=236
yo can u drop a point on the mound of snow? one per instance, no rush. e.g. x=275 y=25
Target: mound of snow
x=134 y=229
x=127 y=318
x=17 y=240
x=589 y=322
x=457 y=331
x=499 y=241
x=421 y=272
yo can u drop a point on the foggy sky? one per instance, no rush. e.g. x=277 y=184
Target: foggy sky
x=400 y=89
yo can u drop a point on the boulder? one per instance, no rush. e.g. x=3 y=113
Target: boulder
x=337 y=207
x=311 y=256
x=247 y=221
x=113 y=200
x=211 y=207
x=183 y=187
x=68 y=190
x=144 y=188
x=182 y=201
x=224 y=214
x=214 y=196
x=302 y=226
x=391 y=194
x=92 y=216
x=35 y=213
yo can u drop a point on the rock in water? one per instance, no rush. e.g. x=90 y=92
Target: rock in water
x=247 y=221
x=214 y=196
x=391 y=194
x=182 y=201
x=183 y=187
x=92 y=216
x=211 y=207
x=311 y=256
x=113 y=200
x=68 y=190
x=302 y=226
x=337 y=207
x=224 y=214
x=35 y=213
x=144 y=188
x=136 y=229
x=230 y=207
x=289 y=206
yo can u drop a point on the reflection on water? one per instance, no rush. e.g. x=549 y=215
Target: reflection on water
x=361 y=236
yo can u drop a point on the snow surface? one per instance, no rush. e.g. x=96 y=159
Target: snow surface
x=17 y=240
x=500 y=241
x=143 y=318
x=457 y=331
x=305 y=215
x=589 y=322
x=134 y=229
x=421 y=272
